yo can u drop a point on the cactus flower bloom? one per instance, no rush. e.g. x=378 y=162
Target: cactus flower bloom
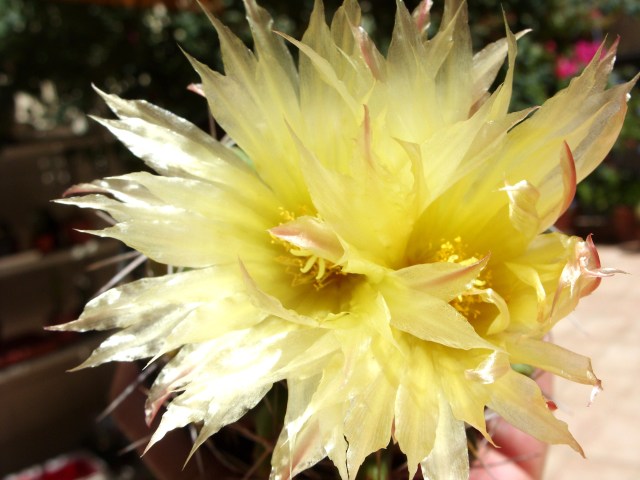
x=376 y=236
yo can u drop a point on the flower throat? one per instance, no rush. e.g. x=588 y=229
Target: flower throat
x=305 y=267
x=468 y=303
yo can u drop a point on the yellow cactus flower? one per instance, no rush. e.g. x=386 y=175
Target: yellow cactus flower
x=375 y=237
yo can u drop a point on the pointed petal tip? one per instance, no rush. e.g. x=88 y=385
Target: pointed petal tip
x=112 y=100
x=207 y=11
x=88 y=363
x=597 y=388
x=192 y=452
x=577 y=447
x=72 y=326
x=79 y=189
x=57 y=328
x=196 y=88
x=100 y=92
x=82 y=366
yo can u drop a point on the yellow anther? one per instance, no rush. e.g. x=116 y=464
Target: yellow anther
x=304 y=266
x=311 y=261
x=456 y=252
x=322 y=268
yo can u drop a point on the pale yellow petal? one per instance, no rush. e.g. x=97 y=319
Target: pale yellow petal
x=487 y=63
x=161 y=218
x=523 y=212
x=443 y=280
x=173 y=146
x=146 y=298
x=449 y=458
x=416 y=407
x=368 y=420
x=488 y=325
x=271 y=304
x=580 y=276
x=569 y=185
x=584 y=115
x=247 y=362
x=344 y=201
x=310 y=234
x=158 y=315
x=429 y=318
x=411 y=87
x=213 y=319
x=260 y=132
x=552 y=358
x=276 y=74
x=144 y=339
x=518 y=400
x=298 y=447
x=325 y=71
x=344 y=20
x=454 y=80
x=251 y=202
x=466 y=395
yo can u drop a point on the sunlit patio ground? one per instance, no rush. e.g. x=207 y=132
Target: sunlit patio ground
x=605 y=327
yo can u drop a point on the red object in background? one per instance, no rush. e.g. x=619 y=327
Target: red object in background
x=585 y=50
x=32 y=346
x=44 y=231
x=79 y=466
x=551 y=46
x=566 y=67
x=73 y=232
x=583 y=53
x=45 y=243
x=71 y=470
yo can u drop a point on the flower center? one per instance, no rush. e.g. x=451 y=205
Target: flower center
x=468 y=302
x=303 y=265
x=306 y=268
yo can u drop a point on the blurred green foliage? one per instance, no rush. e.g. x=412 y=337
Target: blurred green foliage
x=607 y=187
x=124 y=50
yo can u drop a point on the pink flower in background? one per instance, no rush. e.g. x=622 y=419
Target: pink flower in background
x=585 y=50
x=566 y=67
x=583 y=53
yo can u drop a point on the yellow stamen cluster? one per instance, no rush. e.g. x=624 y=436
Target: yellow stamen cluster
x=307 y=268
x=467 y=303
x=303 y=265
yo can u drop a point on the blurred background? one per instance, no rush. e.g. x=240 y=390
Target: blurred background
x=50 y=54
